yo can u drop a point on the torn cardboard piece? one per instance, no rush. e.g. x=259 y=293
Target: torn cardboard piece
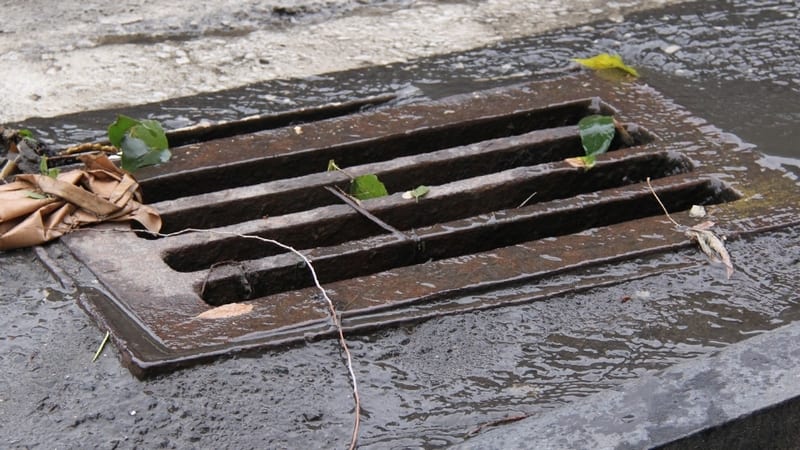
x=36 y=208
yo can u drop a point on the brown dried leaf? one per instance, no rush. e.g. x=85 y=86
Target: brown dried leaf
x=581 y=162
x=711 y=245
x=226 y=311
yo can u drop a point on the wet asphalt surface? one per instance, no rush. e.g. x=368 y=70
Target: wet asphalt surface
x=430 y=384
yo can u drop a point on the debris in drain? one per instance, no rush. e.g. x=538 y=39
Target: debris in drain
x=38 y=208
x=709 y=243
x=416 y=193
x=226 y=311
x=21 y=152
x=596 y=134
x=605 y=61
x=697 y=211
x=142 y=142
x=362 y=187
x=101 y=347
x=494 y=423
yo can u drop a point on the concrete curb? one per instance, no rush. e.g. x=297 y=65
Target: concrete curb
x=745 y=396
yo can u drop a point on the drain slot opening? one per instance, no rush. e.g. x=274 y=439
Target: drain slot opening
x=401 y=174
x=274 y=162
x=456 y=200
x=502 y=228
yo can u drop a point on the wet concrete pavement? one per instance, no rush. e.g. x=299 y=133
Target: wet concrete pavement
x=431 y=384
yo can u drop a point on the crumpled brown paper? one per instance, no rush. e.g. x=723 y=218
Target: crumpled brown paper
x=101 y=192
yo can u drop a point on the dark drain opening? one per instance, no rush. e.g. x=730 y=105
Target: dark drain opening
x=254 y=124
x=459 y=199
x=284 y=272
x=401 y=174
x=271 y=161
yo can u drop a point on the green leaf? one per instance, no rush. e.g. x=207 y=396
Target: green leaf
x=143 y=142
x=43 y=166
x=44 y=170
x=416 y=193
x=606 y=61
x=367 y=186
x=596 y=132
x=332 y=167
x=27 y=134
x=120 y=127
x=136 y=154
x=151 y=133
x=35 y=195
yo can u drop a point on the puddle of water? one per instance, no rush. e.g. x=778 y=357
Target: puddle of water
x=424 y=385
x=450 y=375
x=430 y=384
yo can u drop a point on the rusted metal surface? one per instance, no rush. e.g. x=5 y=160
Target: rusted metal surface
x=467 y=244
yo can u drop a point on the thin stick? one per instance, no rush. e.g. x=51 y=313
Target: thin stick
x=90 y=147
x=102 y=346
x=526 y=200
x=332 y=165
x=662 y=205
x=626 y=137
x=494 y=423
x=9 y=167
x=353 y=204
x=331 y=308
x=334 y=315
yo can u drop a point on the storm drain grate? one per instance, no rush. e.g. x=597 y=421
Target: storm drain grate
x=505 y=217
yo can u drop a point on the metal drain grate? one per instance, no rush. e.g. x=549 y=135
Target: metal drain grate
x=467 y=244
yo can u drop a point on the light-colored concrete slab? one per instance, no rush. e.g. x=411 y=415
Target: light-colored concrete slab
x=70 y=56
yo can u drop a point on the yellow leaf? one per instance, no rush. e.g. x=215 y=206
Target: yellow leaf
x=606 y=61
x=225 y=311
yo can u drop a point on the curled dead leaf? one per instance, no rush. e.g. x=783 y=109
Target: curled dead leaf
x=226 y=311
x=711 y=245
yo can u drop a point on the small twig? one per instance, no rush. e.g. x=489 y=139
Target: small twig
x=624 y=136
x=709 y=242
x=333 y=166
x=525 y=202
x=90 y=147
x=359 y=209
x=211 y=268
x=9 y=167
x=494 y=423
x=102 y=346
x=662 y=204
x=332 y=309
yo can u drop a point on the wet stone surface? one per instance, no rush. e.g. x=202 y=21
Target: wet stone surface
x=428 y=384
x=432 y=383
